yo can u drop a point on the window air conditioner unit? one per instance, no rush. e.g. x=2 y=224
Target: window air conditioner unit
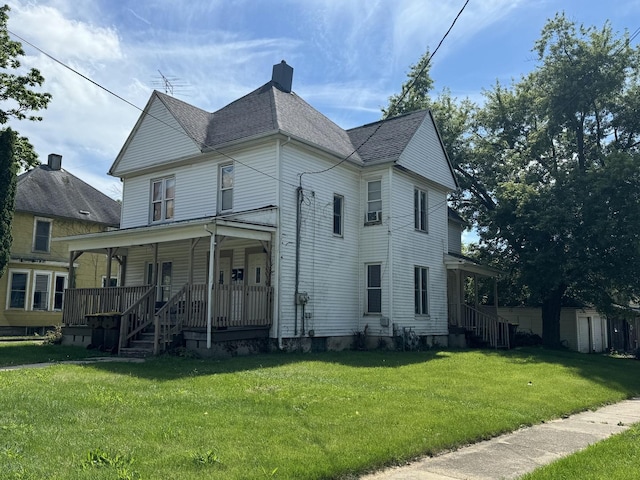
x=374 y=216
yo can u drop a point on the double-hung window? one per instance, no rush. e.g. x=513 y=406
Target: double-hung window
x=421 y=290
x=41 y=282
x=163 y=194
x=374 y=288
x=41 y=235
x=420 y=206
x=59 y=285
x=338 y=215
x=226 y=187
x=18 y=289
x=374 y=201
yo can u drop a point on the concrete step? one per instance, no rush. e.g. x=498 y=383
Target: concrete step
x=134 y=352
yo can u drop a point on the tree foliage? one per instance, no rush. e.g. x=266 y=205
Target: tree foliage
x=19 y=98
x=8 y=170
x=18 y=101
x=550 y=169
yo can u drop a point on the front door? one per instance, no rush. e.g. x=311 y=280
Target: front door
x=256 y=296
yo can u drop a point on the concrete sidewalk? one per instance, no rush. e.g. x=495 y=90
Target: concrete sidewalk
x=514 y=454
x=73 y=362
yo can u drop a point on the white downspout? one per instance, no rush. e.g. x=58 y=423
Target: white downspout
x=212 y=249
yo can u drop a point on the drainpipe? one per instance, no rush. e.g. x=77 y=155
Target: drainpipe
x=212 y=248
x=299 y=197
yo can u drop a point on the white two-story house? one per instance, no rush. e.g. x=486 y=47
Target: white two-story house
x=265 y=218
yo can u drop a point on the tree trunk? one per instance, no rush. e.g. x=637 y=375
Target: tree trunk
x=551 y=307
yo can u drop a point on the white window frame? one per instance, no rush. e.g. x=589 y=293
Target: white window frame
x=222 y=188
x=103 y=281
x=37 y=220
x=338 y=216
x=369 y=288
x=10 y=288
x=164 y=200
x=47 y=296
x=421 y=290
x=374 y=205
x=421 y=210
x=57 y=275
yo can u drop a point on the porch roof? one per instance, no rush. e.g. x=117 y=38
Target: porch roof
x=460 y=262
x=168 y=232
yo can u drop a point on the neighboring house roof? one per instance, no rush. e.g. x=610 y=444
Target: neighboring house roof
x=56 y=193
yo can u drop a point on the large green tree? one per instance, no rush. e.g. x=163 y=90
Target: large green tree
x=550 y=167
x=19 y=98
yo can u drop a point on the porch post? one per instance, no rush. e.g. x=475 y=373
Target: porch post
x=73 y=256
x=107 y=282
x=154 y=280
x=459 y=296
x=212 y=259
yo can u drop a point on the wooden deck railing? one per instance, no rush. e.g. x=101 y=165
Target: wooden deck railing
x=80 y=302
x=492 y=329
x=137 y=317
x=233 y=306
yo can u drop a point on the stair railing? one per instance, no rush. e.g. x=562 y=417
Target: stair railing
x=170 y=319
x=490 y=328
x=137 y=317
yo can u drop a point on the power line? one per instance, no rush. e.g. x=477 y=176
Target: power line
x=182 y=132
x=394 y=106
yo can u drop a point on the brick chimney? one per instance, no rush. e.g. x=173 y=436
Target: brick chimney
x=282 y=76
x=54 y=161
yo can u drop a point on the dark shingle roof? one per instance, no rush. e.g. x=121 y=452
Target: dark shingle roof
x=268 y=109
x=57 y=193
x=389 y=140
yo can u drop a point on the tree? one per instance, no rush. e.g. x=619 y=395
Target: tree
x=17 y=95
x=18 y=100
x=550 y=168
x=8 y=169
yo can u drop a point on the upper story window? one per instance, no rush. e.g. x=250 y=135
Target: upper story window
x=42 y=235
x=420 y=206
x=163 y=194
x=338 y=215
x=374 y=201
x=226 y=188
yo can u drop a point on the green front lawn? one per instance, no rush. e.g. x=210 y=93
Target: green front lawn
x=285 y=416
x=614 y=458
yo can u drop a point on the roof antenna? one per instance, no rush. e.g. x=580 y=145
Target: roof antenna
x=168 y=86
x=171 y=85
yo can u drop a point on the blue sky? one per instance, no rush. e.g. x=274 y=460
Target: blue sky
x=348 y=56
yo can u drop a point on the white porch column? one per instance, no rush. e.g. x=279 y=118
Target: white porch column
x=212 y=255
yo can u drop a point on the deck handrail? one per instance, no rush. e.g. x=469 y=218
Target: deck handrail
x=80 y=302
x=489 y=327
x=169 y=319
x=136 y=317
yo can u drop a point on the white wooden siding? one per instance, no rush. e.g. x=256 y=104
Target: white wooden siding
x=197 y=187
x=411 y=248
x=329 y=265
x=424 y=155
x=455 y=238
x=158 y=139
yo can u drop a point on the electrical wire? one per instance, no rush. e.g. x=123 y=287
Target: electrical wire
x=172 y=127
x=395 y=105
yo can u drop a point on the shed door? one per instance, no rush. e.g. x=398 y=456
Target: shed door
x=584 y=333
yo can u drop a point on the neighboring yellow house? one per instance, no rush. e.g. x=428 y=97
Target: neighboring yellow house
x=51 y=203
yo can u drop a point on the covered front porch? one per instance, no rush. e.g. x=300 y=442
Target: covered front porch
x=207 y=279
x=467 y=310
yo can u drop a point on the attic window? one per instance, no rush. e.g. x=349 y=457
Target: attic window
x=85 y=212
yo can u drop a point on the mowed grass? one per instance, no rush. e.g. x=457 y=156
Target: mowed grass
x=29 y=351
x=313 y=416
x=614 y=458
